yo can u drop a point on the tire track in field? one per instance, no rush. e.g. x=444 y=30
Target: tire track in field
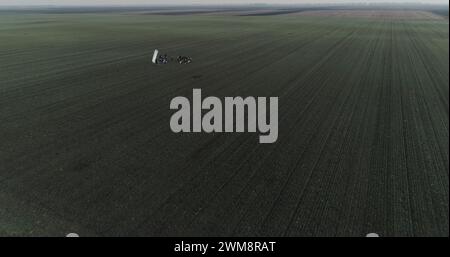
x=436 y=169
x=329 y=210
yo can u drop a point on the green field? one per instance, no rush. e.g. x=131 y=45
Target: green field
x=86 y=145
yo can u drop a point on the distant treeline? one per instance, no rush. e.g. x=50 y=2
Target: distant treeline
x=260 y=10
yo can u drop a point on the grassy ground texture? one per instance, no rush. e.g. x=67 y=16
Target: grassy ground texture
x=86 y=145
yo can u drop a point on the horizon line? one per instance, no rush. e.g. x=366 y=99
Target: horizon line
x=232 y=4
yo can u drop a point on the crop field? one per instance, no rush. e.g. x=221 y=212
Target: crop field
x=86 y=145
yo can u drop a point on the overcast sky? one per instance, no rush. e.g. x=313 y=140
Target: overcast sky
x=136 y=2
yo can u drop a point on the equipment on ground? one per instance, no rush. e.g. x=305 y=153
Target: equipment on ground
x=165 y=59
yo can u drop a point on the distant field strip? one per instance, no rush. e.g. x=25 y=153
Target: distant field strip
x=363 y=116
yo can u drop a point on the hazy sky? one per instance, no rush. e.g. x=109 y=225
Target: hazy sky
x=134 y=2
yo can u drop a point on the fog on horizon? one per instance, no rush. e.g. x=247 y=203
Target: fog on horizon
x=206 y=2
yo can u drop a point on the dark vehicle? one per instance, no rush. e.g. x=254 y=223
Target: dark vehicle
x=164 y=58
